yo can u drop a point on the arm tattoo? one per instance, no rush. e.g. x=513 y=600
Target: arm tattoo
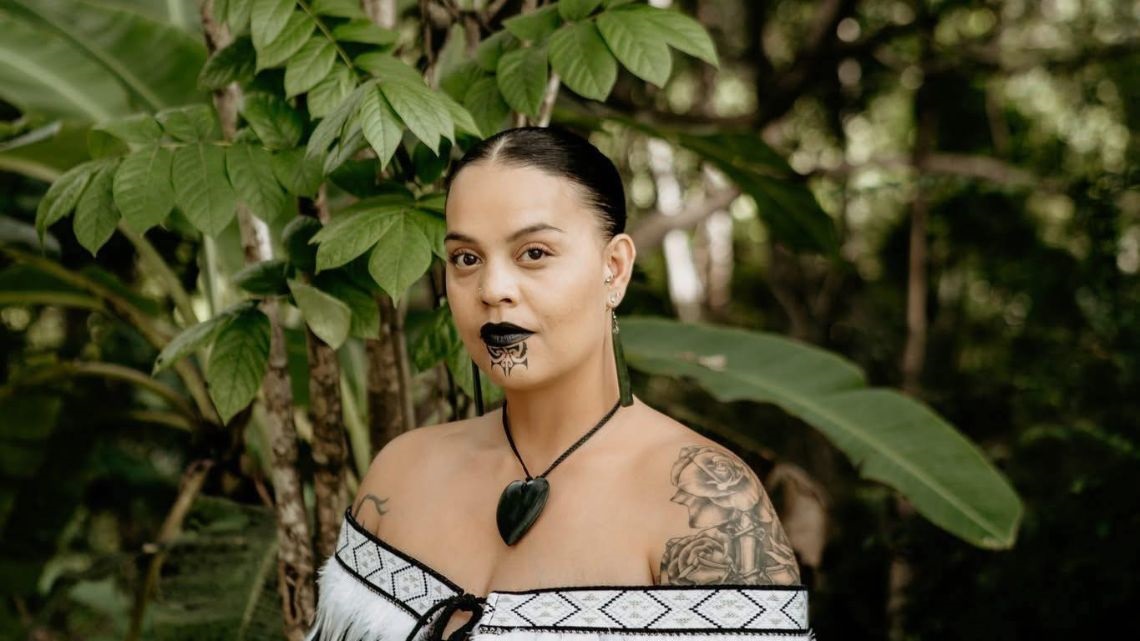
x=376 y=502
x=740 y=538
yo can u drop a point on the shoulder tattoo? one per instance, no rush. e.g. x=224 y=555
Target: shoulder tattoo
x=738 y=537
x=374 y=501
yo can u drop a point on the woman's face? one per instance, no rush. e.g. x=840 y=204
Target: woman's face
x=525 y=273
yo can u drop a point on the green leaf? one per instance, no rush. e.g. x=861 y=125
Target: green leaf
x=101 y=144
x=486 y=105
x=250 y=170
x=580 y=56
x=277 y=124
x=299 y=174
x=140 y=129
x=364 y=31
x=888 y=436
x=62 y=196
x=402 y=254
x=238 y=362
x=329 y=93
x=345 y=148
x=577 y=9
x=458 y=80
x=309 y=66
x=381 y=126
x=95 y=213
x=679 y=30
x=424 y=115
x=333 y=125
x=352 y=233
x=522 y=77
x=268 y=19
x=434 y=227
x=462 y=118
x=75 y=86
x=142 y=187
x=328 y=317
x=189 y=124
x=295 y=239
x=294 y=36
x=77 y=55
x=493 y=47
x=201 y=188
x=637 y=44
x=339 y=8
x=536 y=25
x=193 y=338
x=265 y=278
x=365 y=309
x=235 y=13
x=234 y=63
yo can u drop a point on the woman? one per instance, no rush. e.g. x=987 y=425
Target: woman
x=637 y=526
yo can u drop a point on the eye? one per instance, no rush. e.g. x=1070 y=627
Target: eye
x=535 y=252
x=457 y=259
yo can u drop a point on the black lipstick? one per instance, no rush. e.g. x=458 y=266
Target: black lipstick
x=502 y=334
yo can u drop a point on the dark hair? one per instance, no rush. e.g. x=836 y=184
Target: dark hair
x=561 y=153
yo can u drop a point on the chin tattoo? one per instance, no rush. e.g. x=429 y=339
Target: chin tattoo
x=509 y=357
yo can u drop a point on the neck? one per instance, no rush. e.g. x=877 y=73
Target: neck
x=546 y=421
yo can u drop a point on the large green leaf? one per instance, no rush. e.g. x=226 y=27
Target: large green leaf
x=637 y=45
x=62 y=196
x=365 y=310
x=353 y=232
x=381 y=126
x=268 y=19
x=45 y=74
x=522 y=78
x=577 y=9
x=289 y=41
x=238 y=362
x=235 y=62
x=486 y=104
x=250 y=169
x=95 y=214
x=580 y=56
x=416 y=104
x=201 y=188
x=329 y=93
x=890 y=437
x=679 y=30
x=276 y=123
x=298 y=173
x=401 y=255
x=195 y=337
x=328 y=317
x=143 y=189
x=112 y=38
x=309 y=65
x=536 y=25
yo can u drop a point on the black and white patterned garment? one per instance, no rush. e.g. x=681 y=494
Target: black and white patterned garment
x=371 y=591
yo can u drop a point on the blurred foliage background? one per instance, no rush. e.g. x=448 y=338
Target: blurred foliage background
x=978 y=159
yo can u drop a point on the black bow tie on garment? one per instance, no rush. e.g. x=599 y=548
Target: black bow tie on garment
x=467 y=602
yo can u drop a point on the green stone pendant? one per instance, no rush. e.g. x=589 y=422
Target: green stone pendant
x=519 y=507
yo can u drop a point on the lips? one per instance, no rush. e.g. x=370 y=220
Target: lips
x=503 y=334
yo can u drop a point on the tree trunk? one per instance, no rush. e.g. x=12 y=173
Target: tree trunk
x=295 y=572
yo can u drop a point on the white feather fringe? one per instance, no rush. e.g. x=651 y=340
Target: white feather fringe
x=348 y=610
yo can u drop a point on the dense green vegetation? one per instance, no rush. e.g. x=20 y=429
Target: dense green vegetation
x=887 y=251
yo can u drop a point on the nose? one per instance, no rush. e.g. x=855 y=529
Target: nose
x=497 y=285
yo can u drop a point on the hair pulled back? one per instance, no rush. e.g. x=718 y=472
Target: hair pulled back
x=562 y=153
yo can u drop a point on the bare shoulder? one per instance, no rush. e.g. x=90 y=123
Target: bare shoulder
x=394 y=468
x=710 y=519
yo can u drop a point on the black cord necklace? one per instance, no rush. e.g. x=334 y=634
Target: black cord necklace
x=522 y=500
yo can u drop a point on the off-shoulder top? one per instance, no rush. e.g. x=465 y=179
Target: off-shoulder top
x=372 y=591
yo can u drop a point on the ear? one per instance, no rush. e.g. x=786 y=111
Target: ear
x=619 y=255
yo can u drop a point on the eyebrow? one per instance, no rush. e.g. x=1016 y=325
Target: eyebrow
x=529 y=229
